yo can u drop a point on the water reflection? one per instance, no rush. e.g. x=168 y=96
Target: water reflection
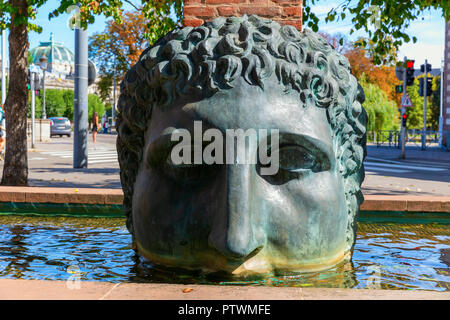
x=17 y=244
x=386 y=256
x=445 y=256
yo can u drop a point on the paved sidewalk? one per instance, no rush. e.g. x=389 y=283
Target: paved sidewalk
x=62 y=290
x=51 y=165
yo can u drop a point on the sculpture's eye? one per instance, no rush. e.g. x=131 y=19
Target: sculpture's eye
x=295 y=158
x=160 y=157
x=187 y=172
x=296 y=162
x=190 y=173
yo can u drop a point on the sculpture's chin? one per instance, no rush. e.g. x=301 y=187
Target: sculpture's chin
x=264 y=263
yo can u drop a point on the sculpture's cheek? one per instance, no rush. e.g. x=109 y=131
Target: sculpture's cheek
x=306 y=224
x=166 y=218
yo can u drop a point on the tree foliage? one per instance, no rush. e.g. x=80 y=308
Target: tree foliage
x=435 y=101
x=68 y=96
x=18 y=16
x=384 y=79
x=156 y=12
x=104 y=85
x=119 y=46
x=378 y=82
x=382 y=112
x=59 y=103
x=381 y=75
x=415 y=113
x=385 y=21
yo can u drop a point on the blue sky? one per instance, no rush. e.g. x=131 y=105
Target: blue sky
x=429 y=30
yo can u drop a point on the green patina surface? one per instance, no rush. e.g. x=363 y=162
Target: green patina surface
x=61 y=209
x=242 y=73
x=404 y=217
x=116 y=211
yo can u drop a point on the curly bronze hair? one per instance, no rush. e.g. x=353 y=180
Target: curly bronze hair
x=200 y=61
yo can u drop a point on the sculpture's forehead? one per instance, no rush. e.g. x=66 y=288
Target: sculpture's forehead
x=247 y=107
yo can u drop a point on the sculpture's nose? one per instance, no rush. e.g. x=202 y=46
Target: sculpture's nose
x=235 y=231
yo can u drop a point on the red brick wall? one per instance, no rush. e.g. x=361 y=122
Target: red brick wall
x=283 y=11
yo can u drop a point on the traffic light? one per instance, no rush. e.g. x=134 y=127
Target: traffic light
x=410 y=72
x=429 y=86
x=421 y=81
x=399 y=89
x=404 y=118
x=422 y=68
x=37 y=82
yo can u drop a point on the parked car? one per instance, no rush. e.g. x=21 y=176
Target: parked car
x=60 y=126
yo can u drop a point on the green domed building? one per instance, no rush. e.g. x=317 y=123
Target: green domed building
x=61 y=60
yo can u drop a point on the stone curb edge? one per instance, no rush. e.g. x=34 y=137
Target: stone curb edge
x=398 y=203
x=88 y=290
x=60 y=195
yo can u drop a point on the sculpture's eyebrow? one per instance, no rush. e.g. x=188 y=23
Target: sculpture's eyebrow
x=164 y=138
x=158 y=148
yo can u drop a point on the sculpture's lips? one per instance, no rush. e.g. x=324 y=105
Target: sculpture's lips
x=267 y=264
x=261 y=263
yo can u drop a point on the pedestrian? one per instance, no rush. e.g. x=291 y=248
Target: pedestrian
x=2 y=132
x=94 y=127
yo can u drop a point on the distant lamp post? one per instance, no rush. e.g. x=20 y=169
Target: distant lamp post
x=43 y=64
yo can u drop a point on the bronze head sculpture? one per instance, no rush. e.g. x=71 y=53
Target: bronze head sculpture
x=243 y=72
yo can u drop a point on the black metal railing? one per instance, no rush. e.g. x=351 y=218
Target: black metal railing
x=391 y=138
x=383 y=138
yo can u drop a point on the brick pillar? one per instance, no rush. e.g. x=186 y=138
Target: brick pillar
x=282 y=11
x=446 y=83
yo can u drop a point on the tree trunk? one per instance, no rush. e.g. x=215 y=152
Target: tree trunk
x=15 y=170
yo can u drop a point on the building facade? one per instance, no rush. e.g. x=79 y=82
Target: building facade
x=61 y=60
x=446 y=85
x=60 y=66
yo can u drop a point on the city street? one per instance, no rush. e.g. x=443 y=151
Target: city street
x=51 y=164
x=422 y=173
